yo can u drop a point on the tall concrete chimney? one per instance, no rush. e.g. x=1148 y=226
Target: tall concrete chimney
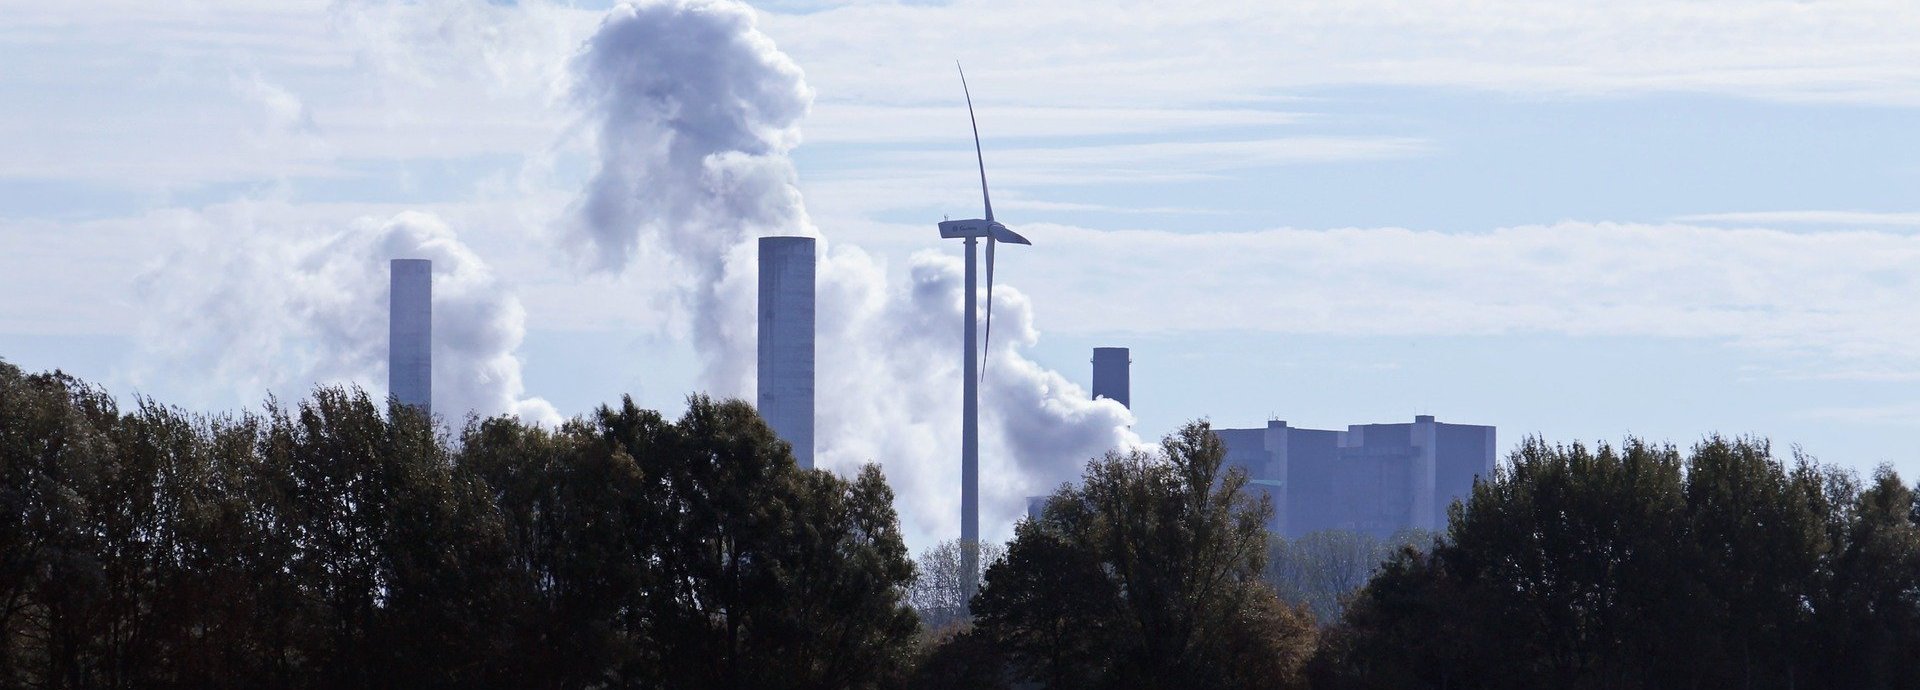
x=786 y=341
x=410 y=333
x=1110 y=374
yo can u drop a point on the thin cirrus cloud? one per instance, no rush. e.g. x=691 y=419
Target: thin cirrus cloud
x=868 y=123
x=1807 y=217
x=1837 y=303
x=917 y=178
x=1168 y=159
x=1136 y=68
x=173 y=96
x=1132 y=52
x=1840 y=297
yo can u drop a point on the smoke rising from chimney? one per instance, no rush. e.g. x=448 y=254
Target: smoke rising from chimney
x=268 y=308
x=696 y=111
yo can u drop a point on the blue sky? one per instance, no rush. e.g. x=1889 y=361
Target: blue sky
x=1654 y=217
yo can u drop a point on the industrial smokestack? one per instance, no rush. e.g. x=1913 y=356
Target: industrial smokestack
x=1110 y=374
x=786 y=341
x=410 y=333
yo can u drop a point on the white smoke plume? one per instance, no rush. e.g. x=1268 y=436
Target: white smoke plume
x=267 y=307
x=696 y=111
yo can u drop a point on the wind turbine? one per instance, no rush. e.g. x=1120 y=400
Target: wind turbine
x=972 y=230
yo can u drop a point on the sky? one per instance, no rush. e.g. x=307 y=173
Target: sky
x=1657 y=218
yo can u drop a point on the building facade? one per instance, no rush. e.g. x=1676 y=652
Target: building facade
x=1372 y=478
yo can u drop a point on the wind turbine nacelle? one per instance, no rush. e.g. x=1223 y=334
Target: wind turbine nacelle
x=975 y=227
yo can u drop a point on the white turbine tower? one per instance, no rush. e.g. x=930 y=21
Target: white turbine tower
x=972 y=230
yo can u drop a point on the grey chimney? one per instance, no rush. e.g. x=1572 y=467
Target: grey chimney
x=786 y=341
x=410 y=333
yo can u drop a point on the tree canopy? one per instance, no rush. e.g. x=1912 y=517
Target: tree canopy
x=342 y=543
x=1147 y=575
x=1640 y=567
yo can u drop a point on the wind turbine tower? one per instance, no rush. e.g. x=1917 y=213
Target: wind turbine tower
x=972 y=231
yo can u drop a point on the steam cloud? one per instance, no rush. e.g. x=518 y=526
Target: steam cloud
x=695 y=112
x=280 y=309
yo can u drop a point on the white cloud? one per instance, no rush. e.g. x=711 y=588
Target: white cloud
x=452 y=78
x=145 y=95
x=1837 y=296
x=1808 y=217
x=1141 y=53
x=47 y=296
x=1895 y=415
x=852 y=122
x=173 y=96
x=1080 y=165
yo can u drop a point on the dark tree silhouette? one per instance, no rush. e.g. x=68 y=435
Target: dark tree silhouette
x=1148 y=575
x=1634 y=567
x=342 y=543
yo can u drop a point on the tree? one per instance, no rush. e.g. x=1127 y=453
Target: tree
x=1630 y=568
x=340 y=543
x=56 y=466
x=696 y=553
x=760 y=574
x=959 y=657
x=937 y=594
x=1147 y=575
x=1758 y=534
x=1322 y=570
x=1871 y=623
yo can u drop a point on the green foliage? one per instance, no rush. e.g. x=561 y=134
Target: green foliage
x=1636 y=567
x=960 y=657
x=938 y=594
x=1145 y=576
x=1324 y=569
x=339 y=544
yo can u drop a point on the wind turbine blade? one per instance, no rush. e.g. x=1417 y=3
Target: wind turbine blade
x=977 y=157
x=987 y=338
x=1000 y=232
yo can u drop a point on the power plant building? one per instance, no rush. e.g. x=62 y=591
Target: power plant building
x=410 y=333
x=1373 y=478
x=786 y=338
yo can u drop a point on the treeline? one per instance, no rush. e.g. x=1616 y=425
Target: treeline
x=340 y=543
x=1638 y=566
